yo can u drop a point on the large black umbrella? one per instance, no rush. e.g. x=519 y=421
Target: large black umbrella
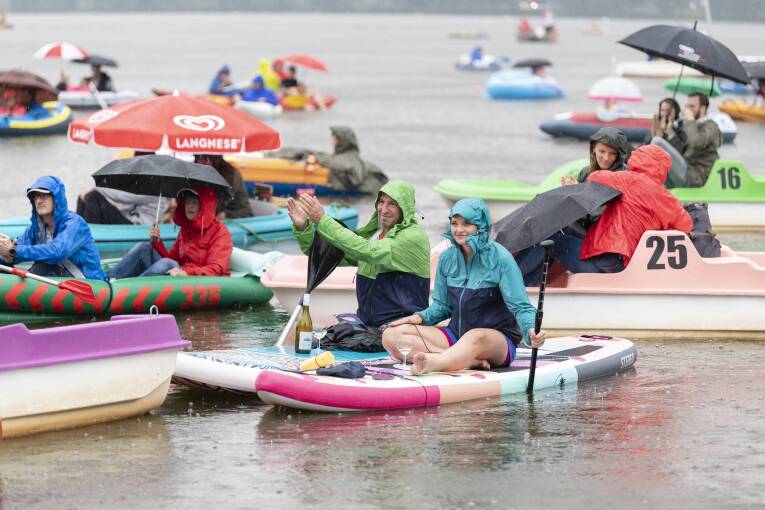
x=158 y=175
x=549 y=212
x=97 y=60
x=533 y=63
x=688 y=47
x=323 y=258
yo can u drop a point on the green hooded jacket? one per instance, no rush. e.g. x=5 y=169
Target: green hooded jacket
x=393 y=278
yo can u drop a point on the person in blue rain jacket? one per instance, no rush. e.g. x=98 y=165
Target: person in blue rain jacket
x=58 y=241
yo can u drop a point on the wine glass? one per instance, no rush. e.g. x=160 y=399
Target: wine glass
x=319 y=332
x=404 y=346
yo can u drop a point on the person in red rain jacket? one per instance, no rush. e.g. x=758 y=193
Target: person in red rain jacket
x=610 y=242
x=203 y=246
x=643 y=205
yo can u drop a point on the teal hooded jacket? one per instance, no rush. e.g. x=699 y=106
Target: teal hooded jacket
x=486 y=291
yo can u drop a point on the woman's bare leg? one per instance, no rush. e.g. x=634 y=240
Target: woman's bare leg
x=477 y=348
x=421 y=338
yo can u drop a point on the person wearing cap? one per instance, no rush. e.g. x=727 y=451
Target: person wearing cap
x=221 y=81
x=58 y=241
x=203 y=246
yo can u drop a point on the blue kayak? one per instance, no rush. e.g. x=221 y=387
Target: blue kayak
x=522 y=84
x=117 y=239
x=52 y=119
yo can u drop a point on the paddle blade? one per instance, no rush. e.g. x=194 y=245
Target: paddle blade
x=80 y=289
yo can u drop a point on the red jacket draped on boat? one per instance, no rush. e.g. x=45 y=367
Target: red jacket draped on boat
x=643 y=205
x=204 y=245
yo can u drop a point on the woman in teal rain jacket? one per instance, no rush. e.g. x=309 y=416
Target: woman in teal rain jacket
x=479 y=286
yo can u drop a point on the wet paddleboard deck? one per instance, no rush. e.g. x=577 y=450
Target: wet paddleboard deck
x=235 y=370
x=561 y=361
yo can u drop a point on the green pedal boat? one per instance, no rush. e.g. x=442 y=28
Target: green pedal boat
x=29 y=300
x=736 y=198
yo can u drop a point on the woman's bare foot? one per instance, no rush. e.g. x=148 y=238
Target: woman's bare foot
x=420 y=363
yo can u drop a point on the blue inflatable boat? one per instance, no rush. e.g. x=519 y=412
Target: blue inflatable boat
x=522 y=84
x=117 y=239
x=52 y=119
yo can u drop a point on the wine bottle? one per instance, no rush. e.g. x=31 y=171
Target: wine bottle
x=304 y=329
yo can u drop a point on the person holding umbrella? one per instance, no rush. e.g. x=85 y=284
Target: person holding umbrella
x=203 y=246
x=478 y=286
x=607 y=247
x=58 y=241
x=704 y=138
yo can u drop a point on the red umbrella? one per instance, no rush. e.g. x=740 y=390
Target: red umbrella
x=182 y=123
x=306 y=61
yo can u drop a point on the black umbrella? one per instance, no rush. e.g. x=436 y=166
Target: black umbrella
x=158 y=175
x=323 y=258
x=756 y=70
x=688 y=47
x=549 y=212
x=97 y=60
x=533 y=63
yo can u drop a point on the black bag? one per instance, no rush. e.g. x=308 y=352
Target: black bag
x=351 y=335
x=702 y=236
x=347 y=370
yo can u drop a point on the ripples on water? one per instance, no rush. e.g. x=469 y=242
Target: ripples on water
x=684 y=428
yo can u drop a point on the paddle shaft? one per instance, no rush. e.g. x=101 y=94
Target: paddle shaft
x=23 y=274
x=97 y=95
x=540 y=313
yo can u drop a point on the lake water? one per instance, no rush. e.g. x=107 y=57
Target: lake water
x=684 y=428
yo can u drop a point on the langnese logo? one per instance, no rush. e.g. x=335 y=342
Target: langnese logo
x=200 y=122
x=102 y=116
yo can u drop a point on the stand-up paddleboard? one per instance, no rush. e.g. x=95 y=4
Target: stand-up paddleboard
x=235 y=370
x=561 y=361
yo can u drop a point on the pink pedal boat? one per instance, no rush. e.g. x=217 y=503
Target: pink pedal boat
x=72 y=376
x=667 y=291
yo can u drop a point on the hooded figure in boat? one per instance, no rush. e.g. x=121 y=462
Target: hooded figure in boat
x=393 y=278
x=347 y=171
x=259 y=92
x=203 y=246
x=614 y=139
x=59 y=242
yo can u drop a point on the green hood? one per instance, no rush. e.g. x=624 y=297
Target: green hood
x=403 y=193
x=613 y=138
x=346 y=139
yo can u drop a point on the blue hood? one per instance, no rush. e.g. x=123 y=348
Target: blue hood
x=258 y=80
x=60 y=207
x=474 y=211
x=71 y=238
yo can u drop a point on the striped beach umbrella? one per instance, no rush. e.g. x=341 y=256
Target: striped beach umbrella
x=62 y=50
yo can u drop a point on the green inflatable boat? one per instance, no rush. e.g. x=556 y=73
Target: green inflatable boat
x=29 y=300
x=736 y=198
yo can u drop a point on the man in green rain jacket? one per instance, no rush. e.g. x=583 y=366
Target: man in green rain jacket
x=392 y=252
